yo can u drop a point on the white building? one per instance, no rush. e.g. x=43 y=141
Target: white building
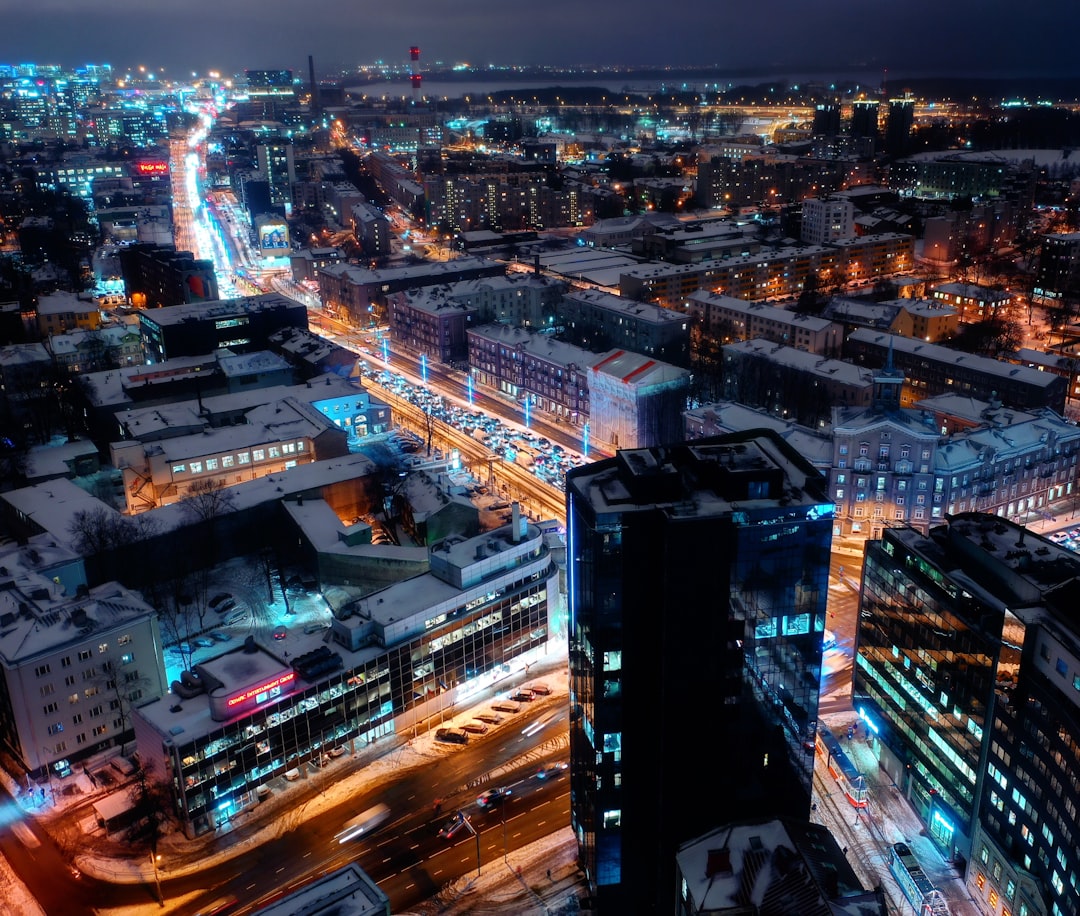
x=72 y=660
x=827 y=219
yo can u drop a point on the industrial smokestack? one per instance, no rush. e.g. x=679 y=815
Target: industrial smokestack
x=415 y=78
x=314 y=85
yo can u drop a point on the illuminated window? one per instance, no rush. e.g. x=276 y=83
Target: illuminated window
x=980 y=880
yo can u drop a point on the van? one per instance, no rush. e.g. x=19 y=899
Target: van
x=363 y=823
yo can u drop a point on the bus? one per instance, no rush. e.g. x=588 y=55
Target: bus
x=914 y=883
x=364 y=823
x=851 y=782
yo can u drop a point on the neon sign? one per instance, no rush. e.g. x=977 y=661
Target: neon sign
x=262 y=688
x=151 y=168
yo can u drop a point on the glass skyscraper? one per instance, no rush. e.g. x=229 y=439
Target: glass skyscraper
x=697 y=581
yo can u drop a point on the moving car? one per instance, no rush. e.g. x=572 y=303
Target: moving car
x=454 y=826
x=363 y=823
x=551 y=770
x=492 y=797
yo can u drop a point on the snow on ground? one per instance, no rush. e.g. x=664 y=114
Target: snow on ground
x=15 y=898
x=498 y=886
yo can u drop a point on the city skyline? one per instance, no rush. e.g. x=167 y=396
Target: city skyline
x=839 y=36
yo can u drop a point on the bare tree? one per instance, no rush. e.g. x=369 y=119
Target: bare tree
x=152 y=802
x=207 y=499
x=104 y=535
x=204 y=503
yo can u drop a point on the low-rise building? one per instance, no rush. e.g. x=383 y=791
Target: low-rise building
x=932 y=369
x=770 y=867
x=725 y=318
x=251 y=714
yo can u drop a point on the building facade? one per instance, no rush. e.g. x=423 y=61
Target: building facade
x=967 y=675
x=396 y=658
x=695 y=571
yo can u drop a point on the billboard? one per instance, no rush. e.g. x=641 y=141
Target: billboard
x=274 y=239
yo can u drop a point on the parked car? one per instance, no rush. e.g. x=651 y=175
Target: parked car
x=220 y=635
x=492 y=797
x=505 y=706
x=540 y=689
x=474 y=728
x=452 y=736
x=338 y=751
x=219 y=598
x=203 y=642
x=225 y=606
x=522 y=696
x=488 y=718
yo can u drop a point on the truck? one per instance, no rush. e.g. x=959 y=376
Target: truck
x=364 y=823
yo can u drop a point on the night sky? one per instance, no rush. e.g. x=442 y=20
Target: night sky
x=761 y=37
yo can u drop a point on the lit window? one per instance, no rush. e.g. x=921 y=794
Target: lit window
x=211 y=464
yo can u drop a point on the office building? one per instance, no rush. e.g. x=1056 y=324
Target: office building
x=967 y=676
x=697 y=589
x=240 y=325
x=478 y=614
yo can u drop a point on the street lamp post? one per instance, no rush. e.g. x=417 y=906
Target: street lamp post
x=469 y=827
x=157 y=877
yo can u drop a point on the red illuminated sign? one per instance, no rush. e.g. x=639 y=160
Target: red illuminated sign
x=262 y=688
x=151 y=168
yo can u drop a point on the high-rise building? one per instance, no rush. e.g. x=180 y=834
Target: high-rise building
x=697 y=593
x=898 y=127
x=864 y=119
x=826 y=120
x=277 y=166
x=968 y=676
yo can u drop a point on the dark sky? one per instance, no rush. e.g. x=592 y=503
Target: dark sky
x=772 y=37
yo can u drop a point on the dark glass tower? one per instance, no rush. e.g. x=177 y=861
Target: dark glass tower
x=697 y=581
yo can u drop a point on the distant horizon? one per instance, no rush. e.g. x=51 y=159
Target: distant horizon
x=910 y=40
x=695 y=76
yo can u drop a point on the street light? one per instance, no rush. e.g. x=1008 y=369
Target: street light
x=469 y=827
x=157 y=877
